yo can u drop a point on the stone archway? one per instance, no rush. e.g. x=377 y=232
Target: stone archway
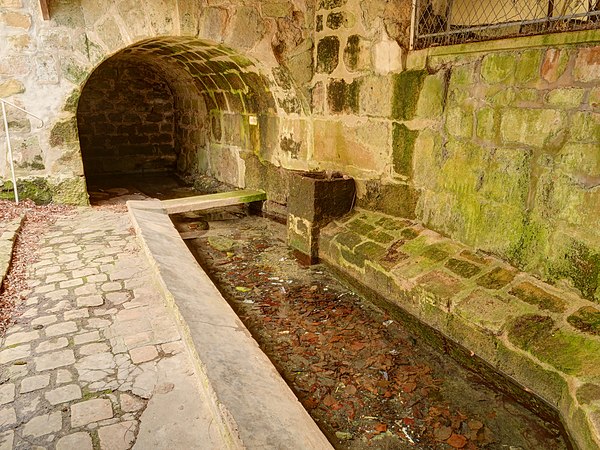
x=181 y=105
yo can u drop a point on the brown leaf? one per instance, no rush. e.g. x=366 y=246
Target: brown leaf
x=381 y=428
x=442 y=433
x=457 y=441
x=409 y=387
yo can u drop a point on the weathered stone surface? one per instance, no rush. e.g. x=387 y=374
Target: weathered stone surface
x=587 y=64
x=535 y=127
x=75 y=441
x=7 y=393
x=498 y=67
x=63 y=394
x=119 y=436
x=54 y=360
x=90 y=411
x=15 y=19
x=11 y=87
x=44 y=424
x=34 y=383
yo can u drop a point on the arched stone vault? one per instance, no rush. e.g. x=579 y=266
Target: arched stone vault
x=224 y=108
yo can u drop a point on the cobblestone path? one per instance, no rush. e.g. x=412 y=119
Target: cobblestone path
x=95 y=360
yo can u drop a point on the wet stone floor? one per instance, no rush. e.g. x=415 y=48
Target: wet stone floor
x=363 y=378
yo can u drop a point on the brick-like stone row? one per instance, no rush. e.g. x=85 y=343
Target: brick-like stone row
x=547 y=338
x=93 y=346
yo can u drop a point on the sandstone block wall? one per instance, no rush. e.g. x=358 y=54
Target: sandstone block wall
x=126 y=120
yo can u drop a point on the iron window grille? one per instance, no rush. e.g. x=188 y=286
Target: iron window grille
x=447 y=22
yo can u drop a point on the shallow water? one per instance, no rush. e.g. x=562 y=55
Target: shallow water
x=364 y=378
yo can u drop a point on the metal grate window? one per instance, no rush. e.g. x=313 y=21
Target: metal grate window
x=446 y=22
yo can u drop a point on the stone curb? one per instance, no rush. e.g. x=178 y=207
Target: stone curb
x=7 y=243
x=480 y=308
x=255 y=405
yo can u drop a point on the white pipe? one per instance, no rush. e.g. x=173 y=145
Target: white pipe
x=10 y=156
x=413 y=24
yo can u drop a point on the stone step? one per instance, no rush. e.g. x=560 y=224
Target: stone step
x=545 y=338
x=247 y=392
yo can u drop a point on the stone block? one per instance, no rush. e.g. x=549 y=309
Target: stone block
x=532 y=127
x=328 y=52
x=357 y=53
x=15 y=19
x=43 y=425
x=403 y=147
x=497 y=278
x=528 y=66
x=279 y=8
x=586 y=319
x=63 y=394
x=407 y=88
x=432 y=97
x=90 y=411
x=498 y=67
x=565 y=97
x=487 y=124
x=388 y=56
x=11 y=87
x=427 y=155
x=585 y=127
x=75 y=441
x=361 y=147
x=554 y=64
x=343 y=97
x=534 y=295
x=119 y=436
x=587 y=65
x=459 y=121
x=568 y=352
x=375 y=96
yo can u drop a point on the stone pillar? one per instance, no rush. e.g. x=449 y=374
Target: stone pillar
x=314 y=200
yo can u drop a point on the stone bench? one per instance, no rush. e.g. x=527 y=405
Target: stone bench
x=543 y=338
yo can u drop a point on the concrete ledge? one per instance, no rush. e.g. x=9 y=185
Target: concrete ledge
x=254 y=403
x=545 y=340
x=201 y=202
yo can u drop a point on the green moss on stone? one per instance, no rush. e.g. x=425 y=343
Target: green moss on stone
x=335 y=20
x=462 y=268
x=360 y=227
x=348 y=239
x=534 y=295
x=36 y=189
x=72 y=191
x=343 y=97
x=407 y=88
x=328 y=51
x=351 y=52
x=496 y=279
x=331 y=4
x=498 y=67
x=409 y=233
x=63 y=133
x=528 y=66
x=403 y=146
x=72 y=101
x=569 y=353
x=582 y=266
x=381 y=237
x=586 y=319
x=588 y=393
x=435 y=253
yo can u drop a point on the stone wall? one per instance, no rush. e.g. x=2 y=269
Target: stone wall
x=126 y=120
x=508 y=159
x=227 y=63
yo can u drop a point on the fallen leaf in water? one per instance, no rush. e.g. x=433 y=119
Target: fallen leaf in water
x=381 y=428
x=457 y=441
x=242 y=289
x=442 y=433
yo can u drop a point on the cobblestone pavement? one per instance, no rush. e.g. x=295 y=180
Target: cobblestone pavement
x=95 y=360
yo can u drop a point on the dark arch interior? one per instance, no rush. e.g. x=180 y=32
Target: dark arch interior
x=175 y=105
